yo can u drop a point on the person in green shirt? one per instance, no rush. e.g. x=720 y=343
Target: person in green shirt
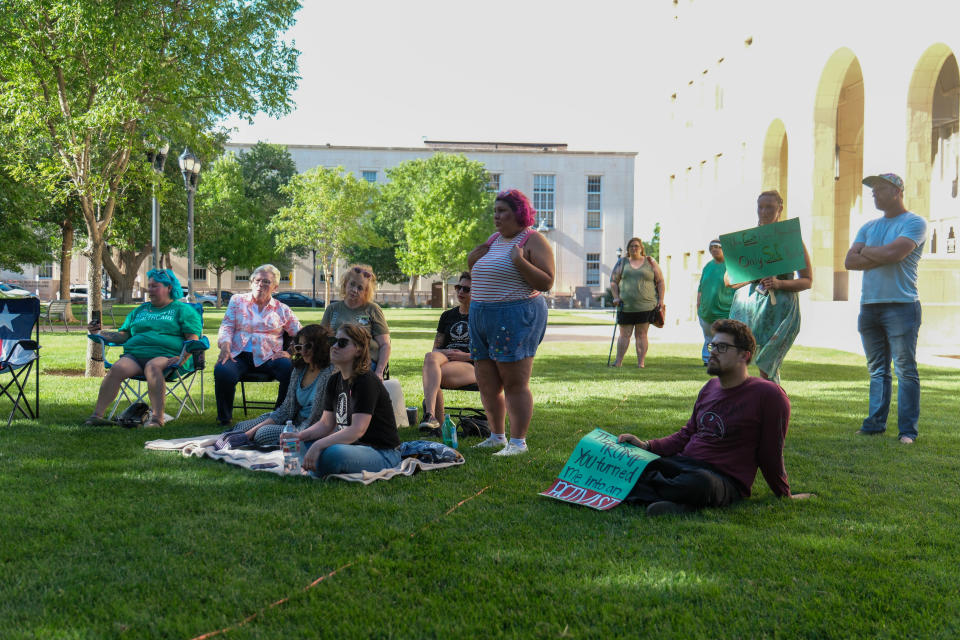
x=713 y=296
x=152 y=337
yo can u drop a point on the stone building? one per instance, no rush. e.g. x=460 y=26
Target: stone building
x=807 y=98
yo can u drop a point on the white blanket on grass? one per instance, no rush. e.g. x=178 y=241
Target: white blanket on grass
x=272 y=461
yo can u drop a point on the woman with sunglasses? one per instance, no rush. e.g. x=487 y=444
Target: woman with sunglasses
x=357 y=430
x=508 y=317
x=303 y=404
x=449 y=365
x=357 y=287
x=637 y=287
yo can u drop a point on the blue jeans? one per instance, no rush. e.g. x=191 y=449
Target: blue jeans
x=227 y=375
x=889 y=331
x=351 y=458
x=707 y=337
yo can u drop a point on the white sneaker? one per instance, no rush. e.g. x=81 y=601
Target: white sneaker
x=490 y=443
x=512 y=450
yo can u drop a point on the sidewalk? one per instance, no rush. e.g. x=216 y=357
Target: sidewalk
x=842 y=337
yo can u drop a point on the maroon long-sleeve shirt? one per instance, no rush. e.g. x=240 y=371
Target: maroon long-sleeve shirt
x=736 y=430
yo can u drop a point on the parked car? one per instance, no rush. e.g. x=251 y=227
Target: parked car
x=10 y=291
x=294 y=299
x=78 y=294
x=210 y=299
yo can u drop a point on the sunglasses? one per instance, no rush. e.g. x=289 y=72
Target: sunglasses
x=721 y=347
x=460 y=287
x=300 y=347
x=366 y=274
x=338 y=342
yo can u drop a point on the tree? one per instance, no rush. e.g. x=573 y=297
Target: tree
x=231 y=228
x=266 y=169
x=652 y=246
x=81 y=81
x=388 y=226
x=446 y=209
x=26 y=240
x=329 y=211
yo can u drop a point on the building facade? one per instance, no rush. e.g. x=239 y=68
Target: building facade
x=766 y=105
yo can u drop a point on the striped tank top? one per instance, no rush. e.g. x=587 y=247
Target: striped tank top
x=494 y=278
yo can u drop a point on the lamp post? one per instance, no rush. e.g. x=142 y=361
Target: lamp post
x=190 y=168
x=156 y=156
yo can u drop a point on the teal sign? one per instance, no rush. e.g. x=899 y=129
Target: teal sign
x=764 y=251
x=601 y=472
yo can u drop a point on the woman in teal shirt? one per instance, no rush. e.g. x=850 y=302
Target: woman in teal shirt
x=152 y=337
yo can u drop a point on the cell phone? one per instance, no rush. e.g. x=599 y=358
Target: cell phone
x=96 y=316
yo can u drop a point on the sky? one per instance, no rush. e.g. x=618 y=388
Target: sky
x=387 y=73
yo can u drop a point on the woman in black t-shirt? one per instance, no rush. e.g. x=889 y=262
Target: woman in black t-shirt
x=449 y=365
x=358 y=430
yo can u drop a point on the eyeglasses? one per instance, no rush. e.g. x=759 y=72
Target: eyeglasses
x=338 y=342
x=366 y=274
x=460 y=287
x=721 y=347
x=266 y=282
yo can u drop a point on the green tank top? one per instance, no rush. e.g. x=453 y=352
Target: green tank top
x=638 y=287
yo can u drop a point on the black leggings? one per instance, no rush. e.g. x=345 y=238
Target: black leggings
x=685 y=481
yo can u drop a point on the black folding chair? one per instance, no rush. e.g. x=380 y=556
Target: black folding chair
x=20 y=354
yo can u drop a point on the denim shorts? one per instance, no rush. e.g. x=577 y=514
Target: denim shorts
x=507 y=331
x=140 y=361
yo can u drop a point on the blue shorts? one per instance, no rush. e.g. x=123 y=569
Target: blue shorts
x=507 y=331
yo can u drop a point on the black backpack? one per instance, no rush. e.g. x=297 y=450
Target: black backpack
x=474 y=427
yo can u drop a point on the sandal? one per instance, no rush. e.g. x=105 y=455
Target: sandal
x=99 y=421
x=153 y=422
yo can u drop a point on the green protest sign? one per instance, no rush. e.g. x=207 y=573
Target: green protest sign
x=764 y=251
x=601 y=471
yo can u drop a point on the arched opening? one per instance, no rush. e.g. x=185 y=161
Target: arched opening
x=775 y=161
x=933 y=142
x=838 y=171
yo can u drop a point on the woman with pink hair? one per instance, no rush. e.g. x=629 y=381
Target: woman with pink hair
x=508 y=317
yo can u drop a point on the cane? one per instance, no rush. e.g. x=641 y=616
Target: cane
x=616 y=316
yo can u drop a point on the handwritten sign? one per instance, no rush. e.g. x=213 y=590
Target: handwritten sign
x=600 y=473
x=764 y=251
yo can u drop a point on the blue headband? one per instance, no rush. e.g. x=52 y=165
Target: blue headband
x=165 y=276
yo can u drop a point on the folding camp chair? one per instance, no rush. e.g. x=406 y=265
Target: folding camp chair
x=179 y=379
x=458 y=412
x=19 y=354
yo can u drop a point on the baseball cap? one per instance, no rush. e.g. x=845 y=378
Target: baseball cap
x=715 y=243
x=889 y=178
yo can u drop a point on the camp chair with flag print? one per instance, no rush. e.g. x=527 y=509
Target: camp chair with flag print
x=179 y=379
x=20 y=354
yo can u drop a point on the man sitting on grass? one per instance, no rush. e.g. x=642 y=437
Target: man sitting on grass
x=739 y=423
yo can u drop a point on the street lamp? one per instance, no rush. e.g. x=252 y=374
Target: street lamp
x=190 y=168
x=156 y=156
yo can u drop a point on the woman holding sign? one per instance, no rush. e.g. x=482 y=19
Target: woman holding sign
x=770 y=307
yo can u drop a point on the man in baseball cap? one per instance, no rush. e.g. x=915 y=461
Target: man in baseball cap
x=888 y=251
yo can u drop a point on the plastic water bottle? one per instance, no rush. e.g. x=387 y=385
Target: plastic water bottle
x=449 y=431
x=291 y=450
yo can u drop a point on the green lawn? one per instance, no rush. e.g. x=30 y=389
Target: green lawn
x=102 y=539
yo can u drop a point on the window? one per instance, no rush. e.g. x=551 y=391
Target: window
x=200 y=273
x=370 y=176
x=45 y=271
x=544 y=189
x=241 y=275
x=593 y=269
x=285 y=277
x=493 y=182
x=593 y=202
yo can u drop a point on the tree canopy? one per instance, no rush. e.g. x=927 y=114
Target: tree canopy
x=83 y=81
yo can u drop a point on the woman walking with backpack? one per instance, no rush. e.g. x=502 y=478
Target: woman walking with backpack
x=508 y=317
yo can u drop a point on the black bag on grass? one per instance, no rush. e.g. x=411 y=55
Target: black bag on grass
x=474 y=427
x=134 y=416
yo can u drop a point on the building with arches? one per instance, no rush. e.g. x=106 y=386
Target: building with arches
x=807 y=98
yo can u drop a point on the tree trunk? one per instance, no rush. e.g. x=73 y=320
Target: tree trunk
x=124 y=274
x=66 y=253
x=219 y=274
x=94 y=305
x=412 y=293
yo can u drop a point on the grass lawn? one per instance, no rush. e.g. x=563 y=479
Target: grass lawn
x=102 y=539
